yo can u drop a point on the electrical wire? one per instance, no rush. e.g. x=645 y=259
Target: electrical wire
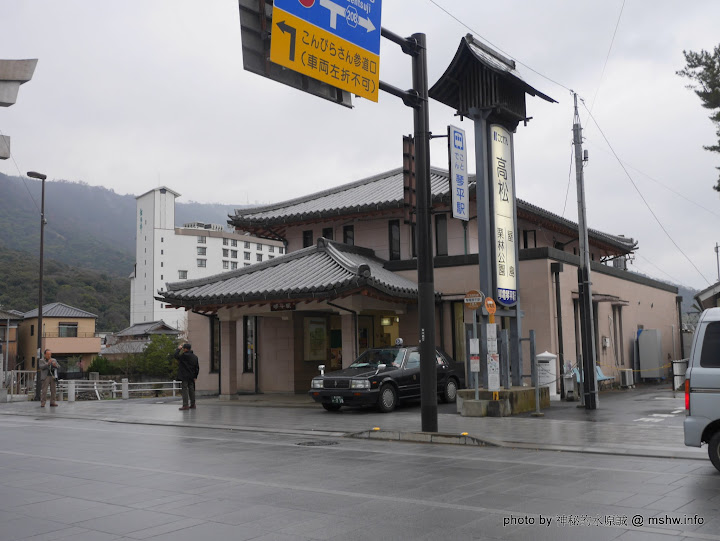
x=659 y=269
x=567 y=190
x=477 y=35
x=607 y=57
x=668 y=188
x=22 y=177
x=641 y=195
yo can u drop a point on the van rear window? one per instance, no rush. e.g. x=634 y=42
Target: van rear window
x=710 y=354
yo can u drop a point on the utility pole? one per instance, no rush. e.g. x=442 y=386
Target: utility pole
x=41 y=177
x=717 y=256
x=587 y=327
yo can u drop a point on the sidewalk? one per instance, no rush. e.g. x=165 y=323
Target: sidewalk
x=639 y=422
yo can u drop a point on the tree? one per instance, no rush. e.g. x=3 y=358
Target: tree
x=158 y=360
x=704 y=69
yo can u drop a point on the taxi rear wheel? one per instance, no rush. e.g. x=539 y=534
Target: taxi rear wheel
x=449 y=395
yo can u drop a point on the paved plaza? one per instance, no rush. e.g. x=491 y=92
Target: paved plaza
x=278 y=467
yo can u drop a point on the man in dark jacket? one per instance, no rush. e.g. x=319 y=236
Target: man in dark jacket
x=188 y=370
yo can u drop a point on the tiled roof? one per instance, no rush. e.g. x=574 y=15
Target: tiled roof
x=125 y=348
x=382 y=192
x=10 y=314
x=150 y=327
x=325 y=271
x=58 y=309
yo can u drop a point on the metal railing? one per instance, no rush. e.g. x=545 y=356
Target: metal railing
x=19 y=382
x=22 y=382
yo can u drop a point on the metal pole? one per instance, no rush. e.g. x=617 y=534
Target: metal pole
x=588 y=341
x=505 y=358
x=476 y=375
x=426 y=289
x=556 y=268
x=40 y=285
x=717 y=256
x=534 y=372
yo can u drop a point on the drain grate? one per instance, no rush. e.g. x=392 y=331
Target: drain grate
x=318 y=443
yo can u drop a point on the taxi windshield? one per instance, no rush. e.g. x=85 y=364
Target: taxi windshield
x=374 y=357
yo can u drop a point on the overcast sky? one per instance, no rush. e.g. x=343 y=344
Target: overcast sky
x=134 y=94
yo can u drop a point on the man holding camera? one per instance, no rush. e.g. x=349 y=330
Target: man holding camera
x=188 y=370
x=48 y=376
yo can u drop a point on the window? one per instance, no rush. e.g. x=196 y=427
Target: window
x=710 y=353
x=271 y=257
x=246 y=264
x=247 y=245
x=226 y=252
x=226 y=264
x=162 y=239
x=162 y=277
x=271 y=249
x=201 y=263
x=307 y=238
x=327 y=232
x=214 y=344
x=225 y=242
x=32 y=330
x=349 y=235
x=182 y=275
x=162 y=264
x=233 y=242
x=233 y=265
x=441 y=241
x=259 y=247
x=233 y=254
x=162 y=252
x=67 y=330
x=201 y=250
x=394 y=239
x=246 y=256
x=280 y=250
x=529 y=238
x=202 y=240
x=259 y=257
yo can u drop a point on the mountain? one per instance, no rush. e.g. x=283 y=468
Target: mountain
x=87 y=226
x=90 y=290
x=89 y=245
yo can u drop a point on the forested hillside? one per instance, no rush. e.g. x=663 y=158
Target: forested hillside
x=90 y=290
x=89 y=245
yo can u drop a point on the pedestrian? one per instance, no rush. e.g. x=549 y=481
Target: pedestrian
x=48 y=376
x=188 y=370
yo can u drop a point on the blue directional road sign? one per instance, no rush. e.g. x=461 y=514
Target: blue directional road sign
x=356 y=21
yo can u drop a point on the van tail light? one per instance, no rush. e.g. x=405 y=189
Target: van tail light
x=687 y=394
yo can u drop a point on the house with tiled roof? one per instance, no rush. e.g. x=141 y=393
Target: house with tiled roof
x=135 y=338
x=69 y=332
x=349 y=282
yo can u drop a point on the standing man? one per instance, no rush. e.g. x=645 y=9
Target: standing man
x=188 y=370
x=48 y=375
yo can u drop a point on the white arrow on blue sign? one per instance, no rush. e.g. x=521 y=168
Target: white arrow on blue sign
x=356 y=21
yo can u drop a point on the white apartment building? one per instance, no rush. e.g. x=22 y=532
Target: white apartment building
x=166 y=253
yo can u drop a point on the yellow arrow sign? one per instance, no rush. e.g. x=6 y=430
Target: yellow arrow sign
x=307 y=49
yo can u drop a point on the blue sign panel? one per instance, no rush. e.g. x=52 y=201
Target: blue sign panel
x=356 y=21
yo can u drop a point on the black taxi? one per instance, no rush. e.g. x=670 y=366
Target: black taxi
x=381 y=377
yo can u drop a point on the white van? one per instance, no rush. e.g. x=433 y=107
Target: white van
x=702 y=387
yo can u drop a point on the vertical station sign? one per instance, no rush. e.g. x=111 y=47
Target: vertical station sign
x=501 y=176
x=334 y=41
x=457 y=148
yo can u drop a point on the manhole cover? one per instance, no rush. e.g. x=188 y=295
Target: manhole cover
x=317 y=443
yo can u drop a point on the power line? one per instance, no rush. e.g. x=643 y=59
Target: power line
x=567 y=190
x=22 y=177
x=659 y=269
x=607 y=57
x=641 y=195
x=668 y=188
x=477 y=35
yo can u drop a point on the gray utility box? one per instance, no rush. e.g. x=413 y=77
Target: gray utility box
x=650 y=353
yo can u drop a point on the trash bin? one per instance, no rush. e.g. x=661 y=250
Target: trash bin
x=679 y=368
x=547 y=372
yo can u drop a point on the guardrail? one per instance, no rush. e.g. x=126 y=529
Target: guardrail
x=22 y=382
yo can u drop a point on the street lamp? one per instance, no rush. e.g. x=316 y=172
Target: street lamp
x=40 y=176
